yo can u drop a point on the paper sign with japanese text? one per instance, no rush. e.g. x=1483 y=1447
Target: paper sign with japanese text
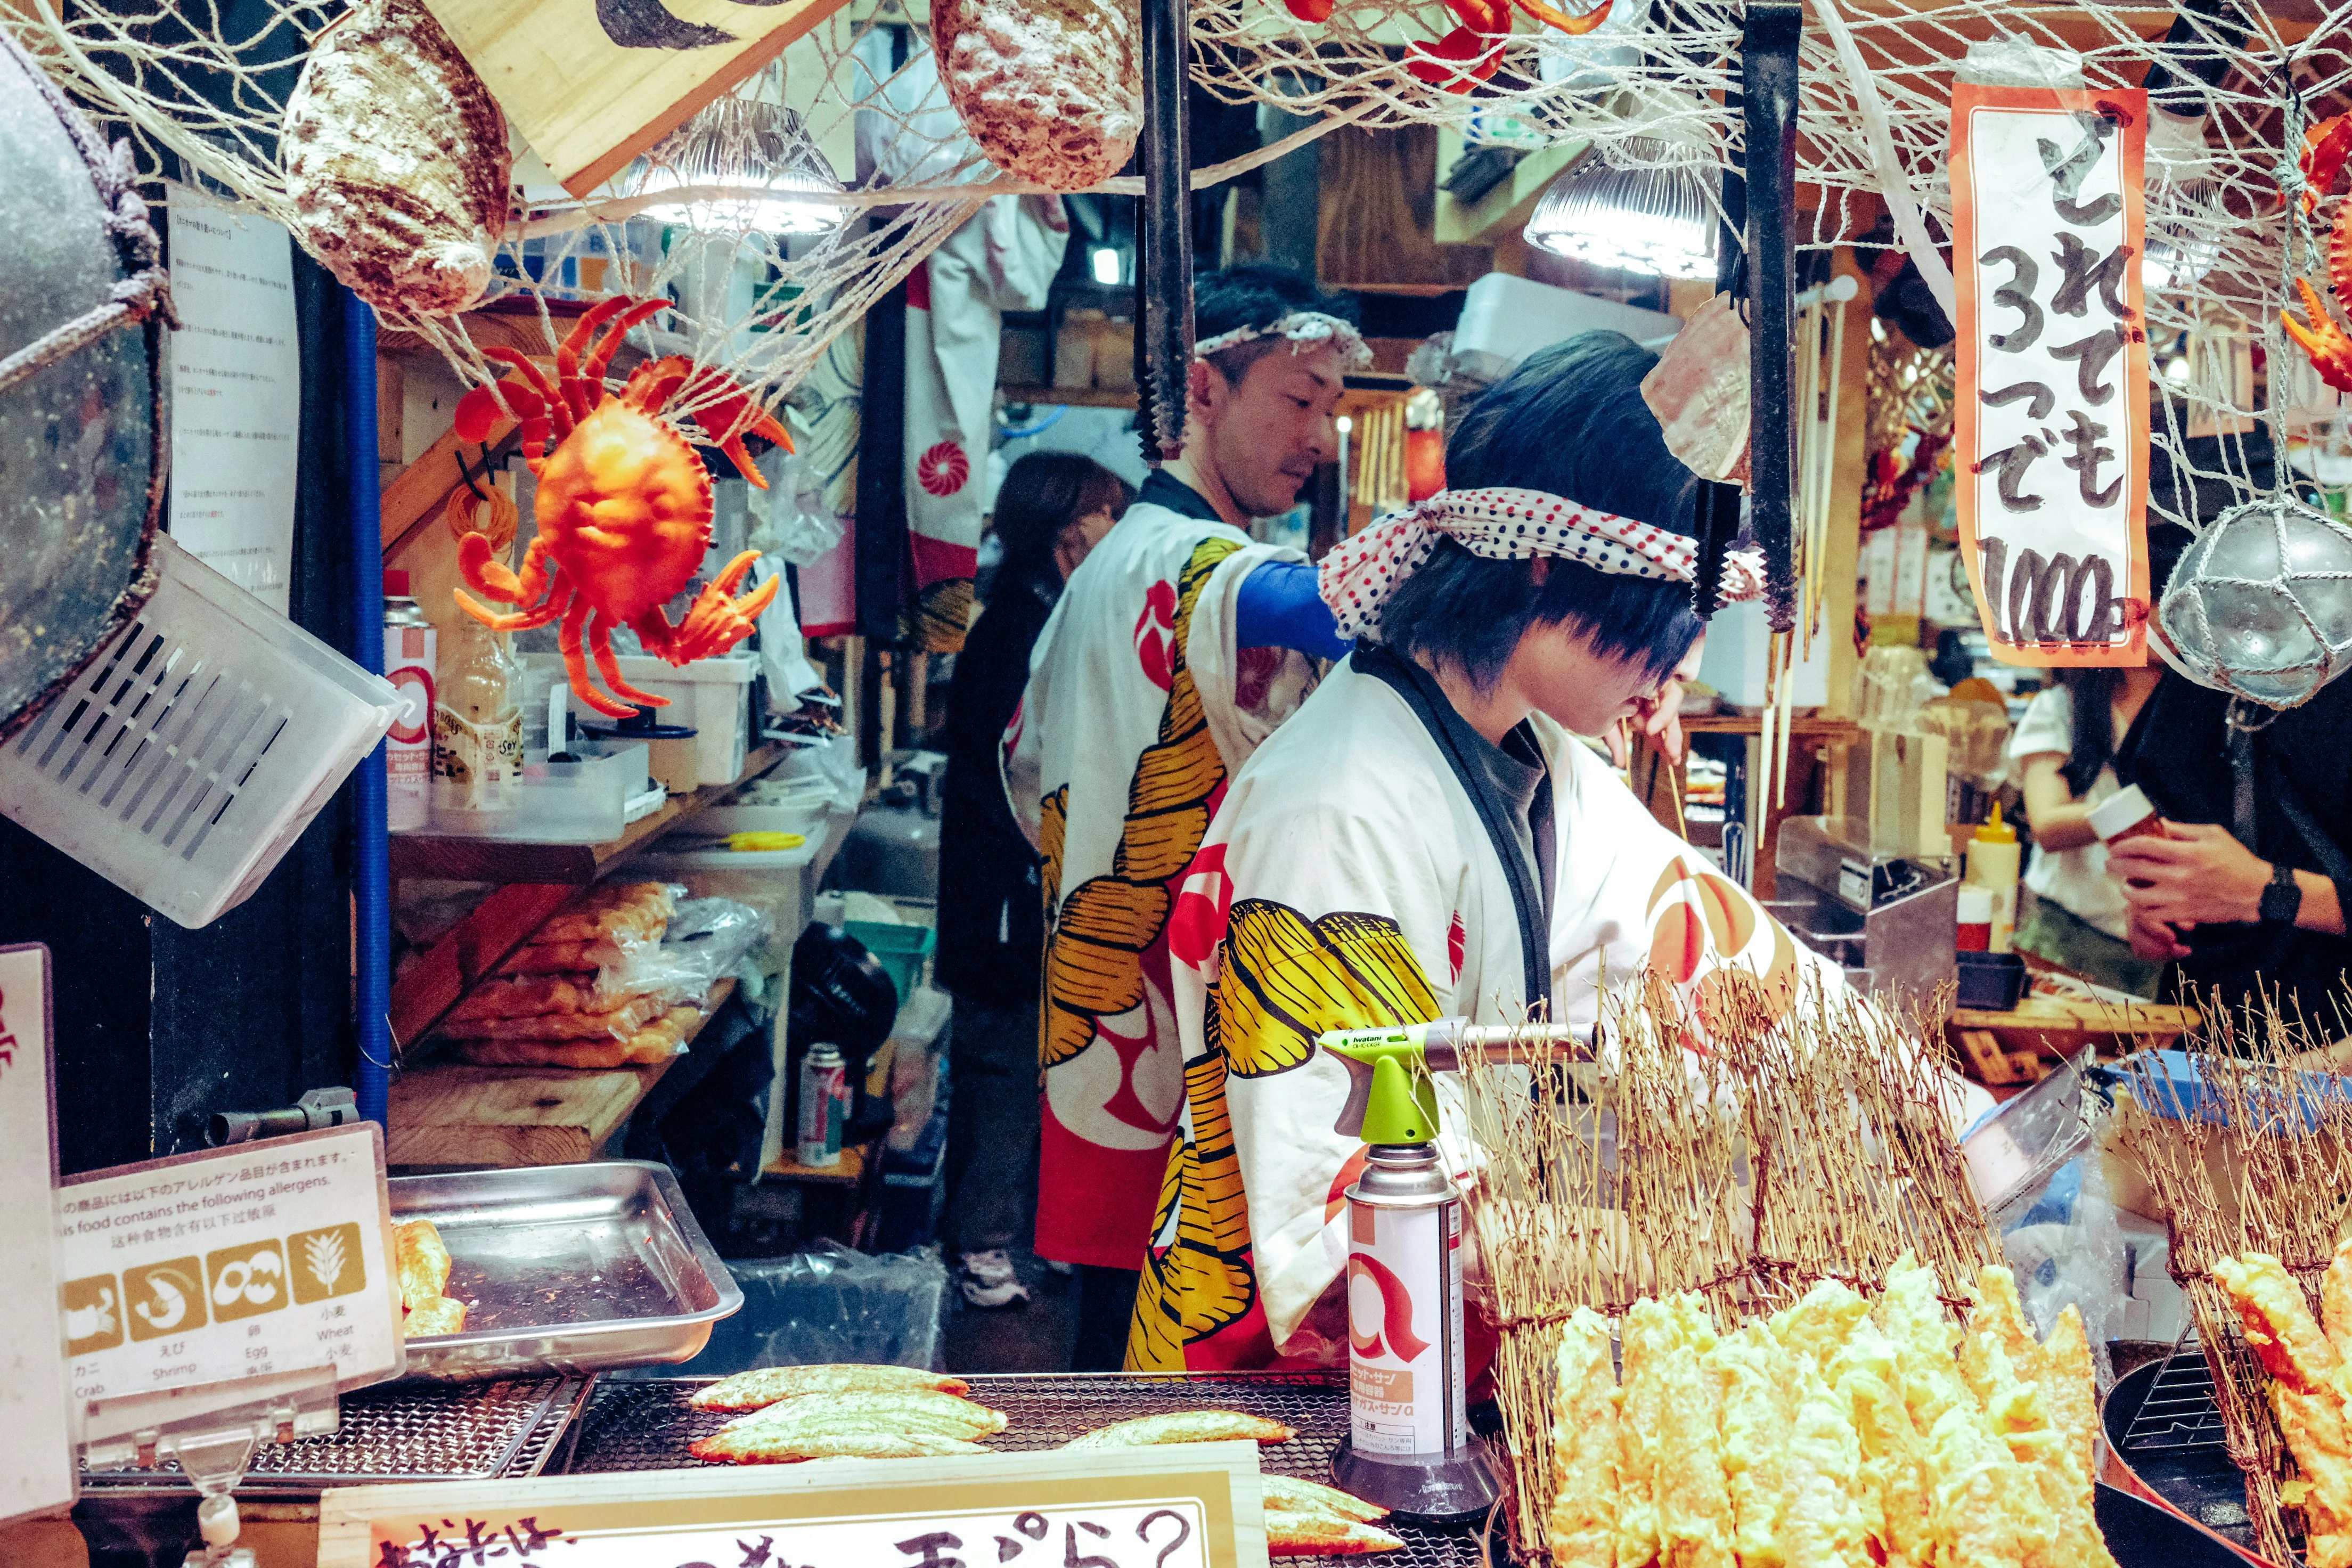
x=205 y=1270
x=1193 y=1505
x=2052 y=424
x=37 y=1467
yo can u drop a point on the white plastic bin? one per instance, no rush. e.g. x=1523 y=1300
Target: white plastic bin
x=713 y=697
x=196 y=749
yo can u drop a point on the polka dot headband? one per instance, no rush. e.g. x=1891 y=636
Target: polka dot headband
x=1358 y=576
x=1305 y=328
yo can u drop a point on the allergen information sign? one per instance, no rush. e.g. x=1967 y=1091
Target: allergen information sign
x=261 y=1259
x=2052 y=425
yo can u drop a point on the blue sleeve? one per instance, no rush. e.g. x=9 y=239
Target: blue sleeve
x=1279 y=607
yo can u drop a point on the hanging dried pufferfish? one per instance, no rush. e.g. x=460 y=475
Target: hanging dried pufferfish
x=1051 y=89
x=397 y=160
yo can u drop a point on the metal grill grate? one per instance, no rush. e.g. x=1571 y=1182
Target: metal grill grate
x=2182 y=1412
x=642 y=1426
x=483 y=1431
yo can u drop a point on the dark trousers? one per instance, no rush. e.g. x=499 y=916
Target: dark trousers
x=993 y=1127
x=1105 y=1305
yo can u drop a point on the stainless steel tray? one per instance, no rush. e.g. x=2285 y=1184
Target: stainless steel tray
x=566 y=1268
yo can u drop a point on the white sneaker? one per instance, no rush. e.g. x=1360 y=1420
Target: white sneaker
x=987 y=1278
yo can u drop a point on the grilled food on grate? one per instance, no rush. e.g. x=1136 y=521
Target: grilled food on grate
x=840 y=1441
x=1184 y=1427
x=785 y=1430
x=764 y=1385
x=1290 y=1494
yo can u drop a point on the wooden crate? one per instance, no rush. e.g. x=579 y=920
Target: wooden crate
x=592 y=83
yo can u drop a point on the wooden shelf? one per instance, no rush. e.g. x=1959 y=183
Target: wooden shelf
x=1070 y=398
x=520 y=860
x=454 y=1113
x=541 y=878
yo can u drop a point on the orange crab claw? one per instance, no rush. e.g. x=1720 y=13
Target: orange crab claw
x=730 y=416
x=2325 y=149
x=2329 y=345
x=1455 y=60
x=1574 y=27
x=575 y=664
x=1310 y=10
x=600 y=647
x=481 y=410
x=715 y=622
x=537 y=405
x=610 y=343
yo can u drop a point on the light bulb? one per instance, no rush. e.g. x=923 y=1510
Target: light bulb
x=1105 y=261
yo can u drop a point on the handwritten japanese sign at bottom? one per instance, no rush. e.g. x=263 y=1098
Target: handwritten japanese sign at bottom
x=2052 y=427
x=1197 y=1508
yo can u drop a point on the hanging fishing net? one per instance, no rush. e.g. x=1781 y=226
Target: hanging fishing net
x=772 y=221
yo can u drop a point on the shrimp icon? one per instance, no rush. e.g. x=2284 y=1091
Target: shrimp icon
x=164 y=1298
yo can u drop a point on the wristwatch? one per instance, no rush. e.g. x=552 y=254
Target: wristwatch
x=2282 y=899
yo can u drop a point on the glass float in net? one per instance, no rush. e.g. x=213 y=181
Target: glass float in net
x=2260 y=604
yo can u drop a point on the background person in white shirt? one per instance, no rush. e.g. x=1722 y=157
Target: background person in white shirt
x=2065 y=747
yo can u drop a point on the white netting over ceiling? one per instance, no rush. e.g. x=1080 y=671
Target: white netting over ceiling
x=1652 y=80
x=839 y=169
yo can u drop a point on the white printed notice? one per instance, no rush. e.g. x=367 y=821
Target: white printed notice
x=37 y=1468
x=260 y=1259
x=2052 y=423
x=236 y=394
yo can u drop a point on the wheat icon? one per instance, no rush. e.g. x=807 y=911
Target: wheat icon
x=324 y=1254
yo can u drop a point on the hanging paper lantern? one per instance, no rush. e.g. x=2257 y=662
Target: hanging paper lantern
x=2260 y=604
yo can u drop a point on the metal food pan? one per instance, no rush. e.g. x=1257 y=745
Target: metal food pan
x=566 y=1268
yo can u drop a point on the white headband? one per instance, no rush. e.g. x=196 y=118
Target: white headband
x=1357 y=575
x=1305 y=328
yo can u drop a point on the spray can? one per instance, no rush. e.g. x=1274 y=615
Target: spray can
x=408 y=651
x=1409 y=1445
x=824 y=1105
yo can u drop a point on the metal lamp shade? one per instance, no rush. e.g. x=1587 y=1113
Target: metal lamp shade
x=762 y=153
x=1659 y=221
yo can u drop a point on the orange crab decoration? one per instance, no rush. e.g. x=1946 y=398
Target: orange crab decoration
x=2329 y=347
x=1471 y=52
x=623 y=507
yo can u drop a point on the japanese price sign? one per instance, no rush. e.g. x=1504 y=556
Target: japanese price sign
x=37 y=1468
x=2052 y=418
x=1039 y=1509
x=259 y=1258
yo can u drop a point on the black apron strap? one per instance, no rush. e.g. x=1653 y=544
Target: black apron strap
x=1427 y=700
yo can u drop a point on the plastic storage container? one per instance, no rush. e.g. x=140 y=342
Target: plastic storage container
x=712 y=697
x=562 y=803
x=195 y=749
x=901 y=949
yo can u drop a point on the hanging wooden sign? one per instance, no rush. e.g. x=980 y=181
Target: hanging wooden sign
x=592 y=83
x=1194 y=1505
x=2052 y=428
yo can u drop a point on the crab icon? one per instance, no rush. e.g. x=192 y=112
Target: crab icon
x=624 y=506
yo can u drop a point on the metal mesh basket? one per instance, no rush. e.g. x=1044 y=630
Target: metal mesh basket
x=647 y=1425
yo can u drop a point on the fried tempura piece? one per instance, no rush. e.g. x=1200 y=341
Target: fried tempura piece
x=766 y=1385
x=1650 y=1335
x=2278 y=1323
x=1791 y=1458
x=1998 y=1319
x=1926 y=1340
x=420 y=1261
x=2016 y=1413
x=1582 y=1529
x=2314 y=1426
x=1818 y=1326
x=1695 y=1512
x=434 y=1315
x=1893 y=1480
x=2070 y=1390
x=2336 y=1300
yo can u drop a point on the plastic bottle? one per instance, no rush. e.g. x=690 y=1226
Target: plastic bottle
x=408 y=649
x=477 y=728
x=1993 y=859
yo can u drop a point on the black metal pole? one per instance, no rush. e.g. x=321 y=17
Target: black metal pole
x=1768 y=80
x=1163 y=273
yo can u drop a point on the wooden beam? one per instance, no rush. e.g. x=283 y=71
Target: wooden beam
x=417 y=496
x=1849 y=468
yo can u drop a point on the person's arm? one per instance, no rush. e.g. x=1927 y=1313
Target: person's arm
x=2203 y=876
x=2059 y=821
x=1279 y=605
